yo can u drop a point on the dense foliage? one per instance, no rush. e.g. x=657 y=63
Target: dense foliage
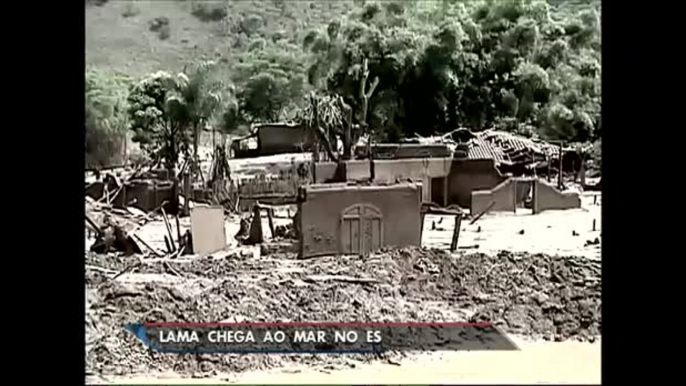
x=513 y=64
x=106 y=119
x=527 y=66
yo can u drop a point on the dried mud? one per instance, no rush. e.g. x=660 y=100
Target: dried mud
x=529 y=294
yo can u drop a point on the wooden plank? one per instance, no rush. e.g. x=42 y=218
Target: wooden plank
x=270 y=217
x=94 y=225
x=456 y=233
x=169 y=231
x=445 y=190
x=491 y=205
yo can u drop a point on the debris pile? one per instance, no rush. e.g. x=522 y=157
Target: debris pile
x=112 y=228
x=530 y=294
x=285 y=231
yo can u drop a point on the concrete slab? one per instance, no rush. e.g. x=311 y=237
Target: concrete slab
x=207 y=229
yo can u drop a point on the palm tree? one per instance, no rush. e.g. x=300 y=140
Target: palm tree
x=195 y=99
x=325 y=116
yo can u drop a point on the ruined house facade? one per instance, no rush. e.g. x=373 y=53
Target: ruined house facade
x=339 y=219
x=488 y=160
x=444 y=181
x=340 y=216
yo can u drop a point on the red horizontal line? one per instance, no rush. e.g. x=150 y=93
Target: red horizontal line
x=316 y=324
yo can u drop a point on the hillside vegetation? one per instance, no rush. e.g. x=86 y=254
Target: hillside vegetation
x=118 y=34
x=390 y=68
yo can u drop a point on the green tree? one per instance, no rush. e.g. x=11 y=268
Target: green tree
x=271 y=83
x=328 y=117
x=106 y=118
x=195 y=99
x=159 y=127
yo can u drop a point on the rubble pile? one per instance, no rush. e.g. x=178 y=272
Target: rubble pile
x=530 y=294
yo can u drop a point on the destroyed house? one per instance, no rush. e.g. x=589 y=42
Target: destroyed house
x=513 y=153
x=479 y=161
x=272 y=138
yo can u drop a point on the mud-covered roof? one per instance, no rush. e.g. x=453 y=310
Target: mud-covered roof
x=504 y=147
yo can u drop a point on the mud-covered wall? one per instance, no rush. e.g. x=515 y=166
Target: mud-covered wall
x=417 y=169
x=547 y=197
x=502 y=196
x=467 y=176
x=324 y=171
x=406 y=150
x=391 y=170
x=323 y=206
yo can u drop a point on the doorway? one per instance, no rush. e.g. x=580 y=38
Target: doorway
x=361 y=229
x=524 y=196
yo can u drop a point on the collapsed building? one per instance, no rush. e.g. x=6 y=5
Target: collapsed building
x=482 y=172
x=482 y=161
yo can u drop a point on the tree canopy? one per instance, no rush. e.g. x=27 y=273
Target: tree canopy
x=517 y=65
x=399 y=68
x=106 y=119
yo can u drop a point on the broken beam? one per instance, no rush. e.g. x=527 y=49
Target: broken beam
x=483 y=213
x=169 y=231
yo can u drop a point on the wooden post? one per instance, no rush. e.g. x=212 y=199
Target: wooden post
x=126 y=153
x=186 y=192
x=175 y=196
x=178 y=230
x=154 y=195
x=446 y=184
x=270 y=217
x=559 y=176
x=456 y=232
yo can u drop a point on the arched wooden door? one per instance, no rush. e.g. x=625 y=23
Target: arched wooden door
x=361 y=229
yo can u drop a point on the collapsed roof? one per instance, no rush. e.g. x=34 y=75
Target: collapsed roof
x=500 y=146
x=509 y=148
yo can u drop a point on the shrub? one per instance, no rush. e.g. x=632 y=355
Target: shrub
x=99 y=3
x=158 y=23
x=130 y=10
x=209 y=11
x=165 y=32
x=103 y=147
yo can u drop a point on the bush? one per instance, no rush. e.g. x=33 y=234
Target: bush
x=103 y=148
x=99 y=3
x=130 y=10
x=250 y=25
x=165 y=32
x=161 y=26
x=209 y=11
x=158 y=23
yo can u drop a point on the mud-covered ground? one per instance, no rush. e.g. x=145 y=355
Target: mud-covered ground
x=537 y=295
